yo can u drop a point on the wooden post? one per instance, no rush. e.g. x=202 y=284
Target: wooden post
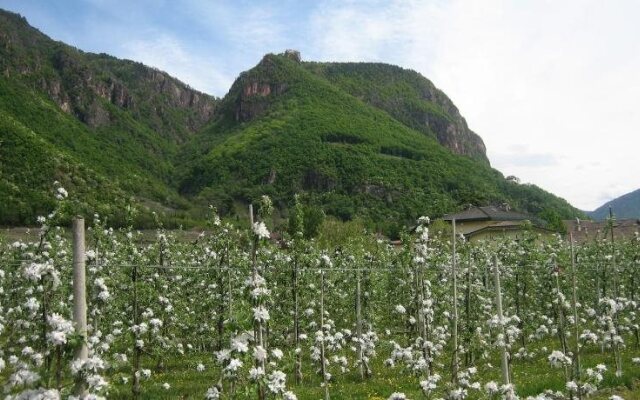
x=560 y=319
x=560 y=314
x=228 y=268
x=80 y=298
x=498 y=292
x=614 y=265
x=424 y=329
x=251 y=215
x=467 y=311
x=454 y=361
x=221 y=301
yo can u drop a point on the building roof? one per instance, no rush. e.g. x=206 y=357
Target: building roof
x=593 y=230
x=487 y=213
x=502 y=226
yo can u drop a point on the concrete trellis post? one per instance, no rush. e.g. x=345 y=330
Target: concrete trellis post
x=422 y=318
x=505 y=357
x=359 y=326
x=323 y=366
x=296 y=320
x=576 y=321
x=616 y=295
x=454 y=361
x=257 y=326
x=80 y=297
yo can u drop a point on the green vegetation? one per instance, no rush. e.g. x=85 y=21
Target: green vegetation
x=30 y=164
x=107 y=129
x=406 y=96
x=534 y=376
x=41 y=144
x=349 y=158
x=370 y=142
x=180 y=315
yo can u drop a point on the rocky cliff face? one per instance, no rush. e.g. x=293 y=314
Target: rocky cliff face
x=70 y=82
x=251 y=94
x=176 y=95
x=454 y=133
x=87 y=85
x=451 y=129
x=253 y=100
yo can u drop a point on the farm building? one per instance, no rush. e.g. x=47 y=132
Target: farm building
x=585 y=231
x=490 y=222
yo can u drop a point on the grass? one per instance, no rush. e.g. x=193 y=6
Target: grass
x=531 y=377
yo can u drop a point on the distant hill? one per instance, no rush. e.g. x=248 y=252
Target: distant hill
x=623 y=207
x=366 y=140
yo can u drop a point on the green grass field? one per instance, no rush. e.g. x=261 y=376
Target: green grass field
x=531 y=377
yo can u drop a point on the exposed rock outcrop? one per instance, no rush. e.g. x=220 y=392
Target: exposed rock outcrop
x=452 y=130
x=84 y=84
x=253 y=100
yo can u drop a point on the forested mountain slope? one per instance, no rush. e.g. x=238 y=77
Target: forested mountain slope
x=283 y=129
x=356 y=140
x=623 y=207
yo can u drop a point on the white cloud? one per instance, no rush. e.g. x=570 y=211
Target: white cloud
x=243 y=32
x=526 y=160
x=369 y=32
x=168 y=54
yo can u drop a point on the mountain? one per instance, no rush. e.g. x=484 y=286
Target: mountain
x=624 y=207
x=284 y=128
x=114 y=119
x=356 y=139
x=409 y=98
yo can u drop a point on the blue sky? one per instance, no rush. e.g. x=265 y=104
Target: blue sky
x=551 y=86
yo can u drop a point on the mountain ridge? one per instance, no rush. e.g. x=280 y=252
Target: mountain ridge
x=363 y=161
x=75 y=79
x=626 y=206
x=377 y=148
x=417 y=103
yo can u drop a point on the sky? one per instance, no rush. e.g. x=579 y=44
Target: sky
x=552 y=87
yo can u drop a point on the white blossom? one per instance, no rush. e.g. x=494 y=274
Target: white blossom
x=276 y=382
x=260 y=230
x=261 y=314
x=212 y=394
x=558 y=359
x=259 y=353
